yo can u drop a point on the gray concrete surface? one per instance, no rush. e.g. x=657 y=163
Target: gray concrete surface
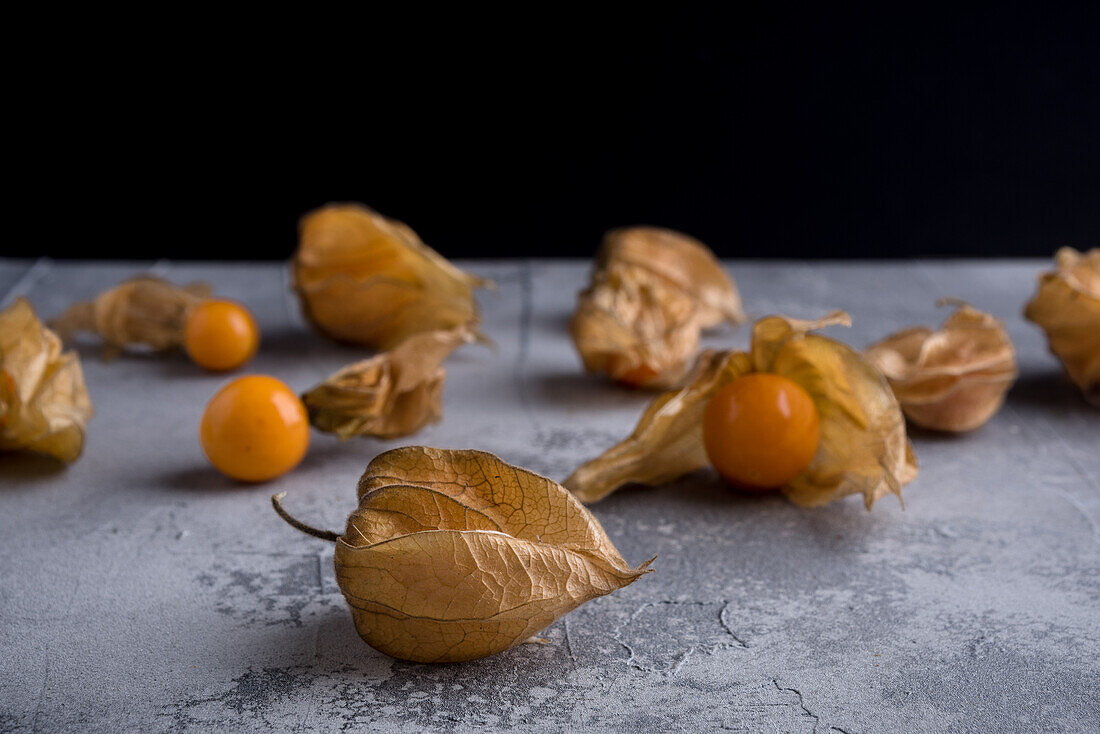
x=140 y=591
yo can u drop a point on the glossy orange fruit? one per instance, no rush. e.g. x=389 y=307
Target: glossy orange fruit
x=220 y=335
x=254 y=429
x=760 y=431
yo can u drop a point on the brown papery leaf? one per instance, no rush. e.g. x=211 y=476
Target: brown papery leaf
x=145 y=311
x=863 y=448
x=1067 y=306
x=668 y=440
x=368 y=280
x=953 y=379
x=44 y=405
x=392 y=394
x=456 y=555
x=652 y=292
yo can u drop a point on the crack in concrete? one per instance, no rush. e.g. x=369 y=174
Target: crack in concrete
x=686 y=653
x=801 y=703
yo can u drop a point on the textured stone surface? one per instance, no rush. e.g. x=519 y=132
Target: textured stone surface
x=139 y=590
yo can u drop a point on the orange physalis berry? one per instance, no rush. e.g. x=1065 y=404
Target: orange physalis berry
x=220 y=335
x=760 y=431
x=254 y=429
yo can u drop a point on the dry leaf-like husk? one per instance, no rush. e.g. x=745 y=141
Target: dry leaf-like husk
x=652 y=291
x=863 y=447
x=44 y=405
x=389 y=395
x=1067 y=306
x=369 y=280
x=953 y=379
x=145 y=311
x=456 y=555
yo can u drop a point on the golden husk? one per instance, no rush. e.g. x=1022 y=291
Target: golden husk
x=863 y=447
x=145 y=311
x=456 y=555
x=953 y=379
x=652 y=292
x=1067 y=306
x=44 y=405
x=392 y=394
x=368 y=280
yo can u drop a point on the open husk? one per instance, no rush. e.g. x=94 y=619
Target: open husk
x=1067 y=306
x=392 y=394
x=863 y=447
x=368 y=280
x=145 y=310
x=953 y=379
x=652 y=292
x=44 y=405
x=456 y=555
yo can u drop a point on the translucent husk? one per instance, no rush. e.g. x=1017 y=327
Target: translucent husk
x=1067 y=306
x=145 y=310
x=456 y=555
x=863 y=447
x=44 y=405
x=392 y=394
x=368 y=280
x=953 y=379
x=652 y=292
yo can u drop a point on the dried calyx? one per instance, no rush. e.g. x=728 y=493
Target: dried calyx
x=368 y=280
x=952 y=379
x=44 y=405
x=652 y=292
x=1067 y=306
x=392 y=394
x=456 y=555
x=143 y=311
x=863 y=447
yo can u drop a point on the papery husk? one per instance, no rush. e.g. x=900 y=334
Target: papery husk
x=368 y=280
x=44 y=404
x=392 y=394
x=953 y=379
x=652 y=292
x=456 y=555
x=146 y=311
x=863 y=447
x=1067 y=306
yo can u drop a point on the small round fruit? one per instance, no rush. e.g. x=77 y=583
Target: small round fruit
x=637 y=376
x=760 y=431
x=254 y=429
x=220 y=335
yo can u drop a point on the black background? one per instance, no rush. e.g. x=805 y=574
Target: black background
x=765 y=129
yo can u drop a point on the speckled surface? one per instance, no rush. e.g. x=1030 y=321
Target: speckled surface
x=140 y=591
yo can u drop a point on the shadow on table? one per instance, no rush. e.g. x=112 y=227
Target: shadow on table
x=1051 y=391
x=323 y=451
x=703 y=499
x=579 y=389
x=18 y=469
x=299 y=342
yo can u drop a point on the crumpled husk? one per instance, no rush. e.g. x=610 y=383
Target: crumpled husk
x=863 y=447
x=456 y=555
x=44 y=405
x=368 y=280
x=143 y=311
x=652 y=292
x=1067 y=306
x=953 y=379
x=392 y=394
